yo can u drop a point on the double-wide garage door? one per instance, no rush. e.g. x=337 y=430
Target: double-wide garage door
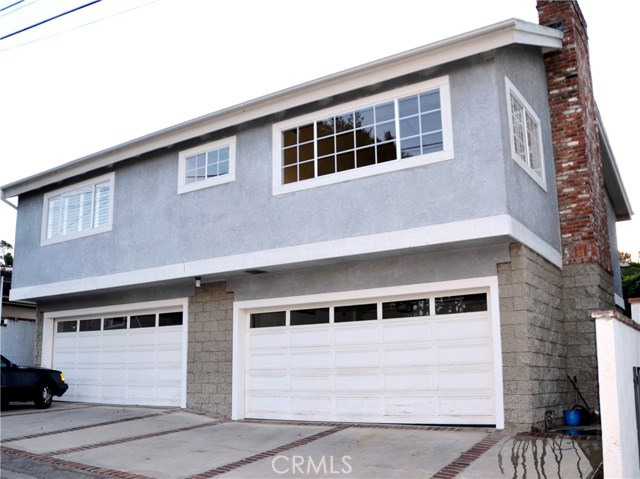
x=424 y=359
x=122 y=359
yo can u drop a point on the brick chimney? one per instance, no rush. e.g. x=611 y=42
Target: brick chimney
x=576 y=146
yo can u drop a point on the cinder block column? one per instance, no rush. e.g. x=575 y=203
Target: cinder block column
x=533 y=338
x=210 y=350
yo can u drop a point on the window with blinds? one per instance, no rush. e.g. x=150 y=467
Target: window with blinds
x=79 y=210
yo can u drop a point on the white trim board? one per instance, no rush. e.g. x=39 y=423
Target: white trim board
x=490 y=227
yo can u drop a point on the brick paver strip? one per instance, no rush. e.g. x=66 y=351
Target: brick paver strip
x=89 y=426
x=131 y=438
x=466 y=458
x=54 y=461
x=270 y=453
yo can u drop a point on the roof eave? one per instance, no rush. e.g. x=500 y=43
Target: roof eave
x=512 y=31
x=612 y=178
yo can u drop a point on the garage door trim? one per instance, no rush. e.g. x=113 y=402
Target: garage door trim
x=242 y=309
x=49 y=321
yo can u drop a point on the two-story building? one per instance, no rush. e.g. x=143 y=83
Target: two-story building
x=419 y=239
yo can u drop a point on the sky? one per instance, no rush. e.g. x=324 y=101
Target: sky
x=120 y=69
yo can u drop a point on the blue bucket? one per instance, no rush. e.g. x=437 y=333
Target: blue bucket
x=572 y=418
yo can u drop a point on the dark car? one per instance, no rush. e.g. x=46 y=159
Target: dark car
x=21 y=383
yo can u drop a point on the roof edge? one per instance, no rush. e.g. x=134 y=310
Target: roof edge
x=507 y=32
x=612 y=177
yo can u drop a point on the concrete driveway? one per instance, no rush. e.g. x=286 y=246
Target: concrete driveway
x=142 y=442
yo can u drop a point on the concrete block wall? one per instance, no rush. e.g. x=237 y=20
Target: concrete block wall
x=533 y=338
x=210 y=350
x=586 y=288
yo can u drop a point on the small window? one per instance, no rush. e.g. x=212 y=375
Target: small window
x=309 y=316
x=115 y=323
x=467 y=303
x=79 y=210
x=142 y=321
x=268 y=320
x=170 y=319
x=90 y=324
x=405 y=309
x=207 y=165
x=525 y=135
x=67 y=326
x=359 y=312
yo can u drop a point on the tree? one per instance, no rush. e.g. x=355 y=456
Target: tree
x=6 y=258
x=630 y=278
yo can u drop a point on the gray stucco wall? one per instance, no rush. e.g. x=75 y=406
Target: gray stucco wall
x=394 y=271
x=154 y=226
x=17 y=340
x=526 y=200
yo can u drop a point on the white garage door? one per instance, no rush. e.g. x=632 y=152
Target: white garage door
x=420 y=359
x=122 y=359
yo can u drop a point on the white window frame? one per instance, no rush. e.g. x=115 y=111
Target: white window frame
x=539 y=178
x=447 y=153
x=111 y=178
x=184 y=187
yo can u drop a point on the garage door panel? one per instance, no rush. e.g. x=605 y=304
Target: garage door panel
x=467 y=354
x=268 y=340
x=269 y=361
x=309 y=338
x=408 y=356
x=409 y=332
x=465 y=406
x=344 y=335
x=357 y=358
x=311 y=382
x=310 y=360
x=408 y=382
x=356 y=382
x=358 y=406
x=462 y=329
x=168 y=335
x=465 y=380
x=409 y=406
x=306 y=405
x=433 y=369
x=125 y=366
x=262 y=382
x=273 y=404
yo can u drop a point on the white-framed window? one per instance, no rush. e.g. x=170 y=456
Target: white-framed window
x=207 y=165
x=525 y=135
x=402 y=128
x=78 y=210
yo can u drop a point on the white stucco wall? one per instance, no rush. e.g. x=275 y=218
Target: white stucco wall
x=635 y=309
x=618 y=345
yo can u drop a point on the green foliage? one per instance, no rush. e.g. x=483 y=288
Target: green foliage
x=6 y=258
x=631 y=280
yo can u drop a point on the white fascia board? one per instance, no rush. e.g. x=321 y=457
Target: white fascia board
x=467 y=44
x=496 y=227
x=612 y=176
